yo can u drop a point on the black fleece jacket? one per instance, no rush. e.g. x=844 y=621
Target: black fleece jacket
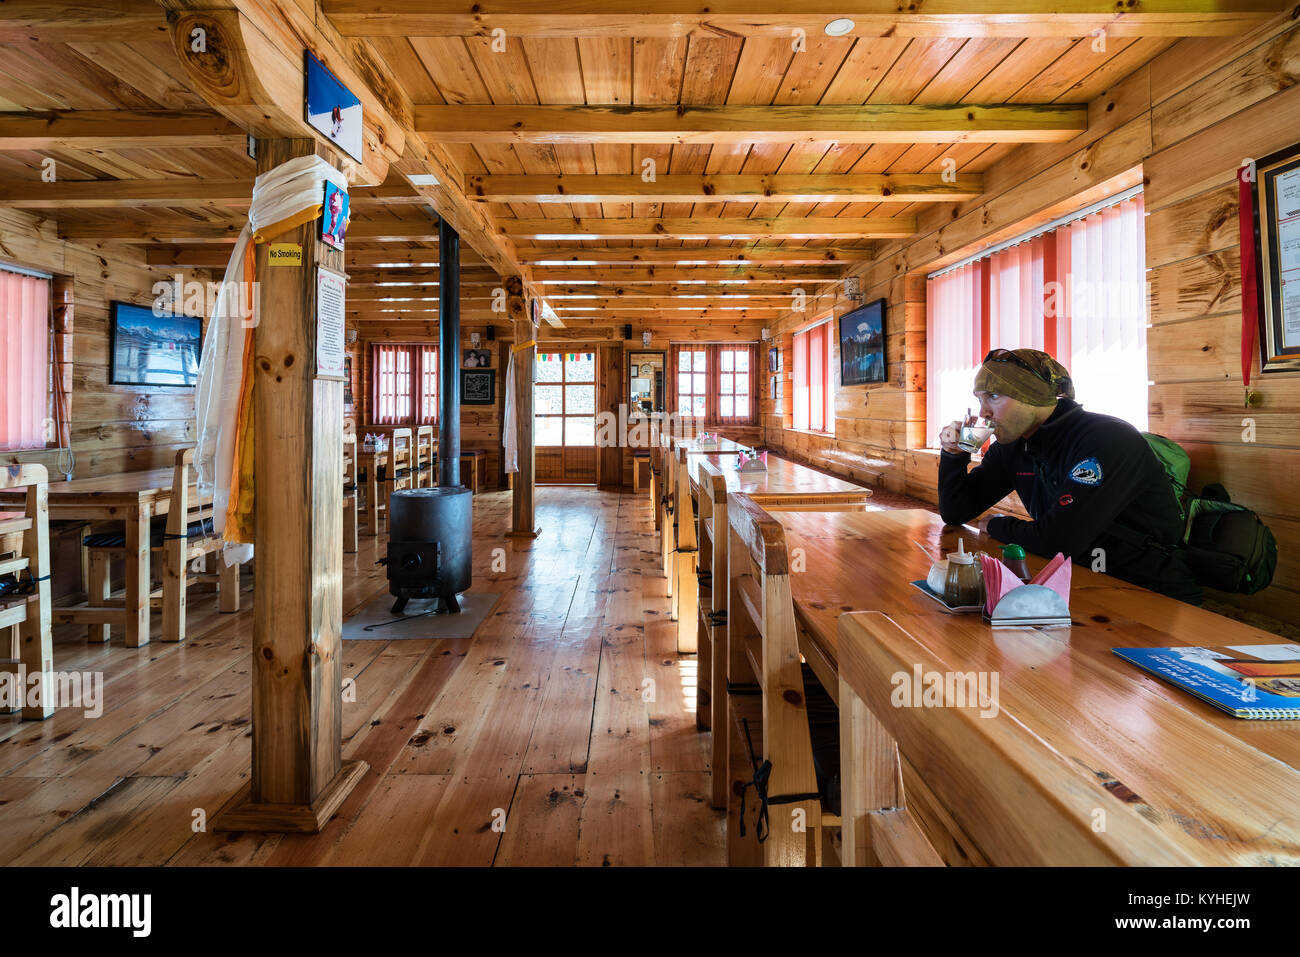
x=1090 y=481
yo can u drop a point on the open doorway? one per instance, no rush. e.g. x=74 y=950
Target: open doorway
x=564 y=417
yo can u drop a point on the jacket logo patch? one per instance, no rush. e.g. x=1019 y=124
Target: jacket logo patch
x=1065 y=499
x=1087 y=472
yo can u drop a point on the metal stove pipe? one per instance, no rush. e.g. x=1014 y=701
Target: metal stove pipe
x=448 y=355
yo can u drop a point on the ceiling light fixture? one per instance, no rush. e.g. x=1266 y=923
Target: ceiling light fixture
x=839 y=27
x=426 y=179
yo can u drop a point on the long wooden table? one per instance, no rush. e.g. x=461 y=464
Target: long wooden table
x=1206 y=786
x=133 y=498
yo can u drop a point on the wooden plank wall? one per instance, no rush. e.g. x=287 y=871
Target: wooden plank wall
x=1183 y=123
x=115 y=428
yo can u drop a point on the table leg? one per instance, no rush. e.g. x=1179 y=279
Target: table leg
x=228 y=579
x=138 y=583
x=98 y=592
x=372 y=497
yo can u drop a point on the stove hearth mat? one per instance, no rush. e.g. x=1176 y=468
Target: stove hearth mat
x=415 y=623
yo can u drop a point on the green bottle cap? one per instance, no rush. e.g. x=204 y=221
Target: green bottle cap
x=1012 y=551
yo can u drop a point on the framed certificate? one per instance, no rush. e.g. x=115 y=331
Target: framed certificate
x=1277 y=233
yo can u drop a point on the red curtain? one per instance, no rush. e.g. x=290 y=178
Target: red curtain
x=24 y=360
x=1075 y=293
x=813 y=379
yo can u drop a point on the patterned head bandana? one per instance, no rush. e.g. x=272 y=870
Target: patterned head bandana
x=1027 y=375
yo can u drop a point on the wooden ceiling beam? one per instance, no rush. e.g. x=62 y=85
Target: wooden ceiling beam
x=559 y=294
x=706 y=188
x=398 y=261
x=778 y=18
x=107 y=193
x=694 y=255
x=673 y=303
x=48 y=21
x=872 y=123
x=786 y=227
x=116 y=130
x=553 y=276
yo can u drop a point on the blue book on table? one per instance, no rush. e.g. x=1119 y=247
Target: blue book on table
x=1247 y=681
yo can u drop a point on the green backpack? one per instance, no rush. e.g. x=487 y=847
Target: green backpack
x=1228 y=546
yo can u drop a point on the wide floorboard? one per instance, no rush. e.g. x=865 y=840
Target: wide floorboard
x=562 y=733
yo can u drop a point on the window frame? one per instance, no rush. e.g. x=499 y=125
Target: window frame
x=423 y=364
x=45 y=440
x=564 y=415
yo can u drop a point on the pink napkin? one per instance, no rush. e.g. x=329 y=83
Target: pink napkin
x=999 y=579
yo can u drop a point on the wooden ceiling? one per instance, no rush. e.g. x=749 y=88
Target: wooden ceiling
x=666 y=169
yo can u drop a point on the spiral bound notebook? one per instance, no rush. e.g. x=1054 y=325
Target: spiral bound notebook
x=1247 y=681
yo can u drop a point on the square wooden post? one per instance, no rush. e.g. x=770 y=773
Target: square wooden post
x=523 y=510
x=299 y=778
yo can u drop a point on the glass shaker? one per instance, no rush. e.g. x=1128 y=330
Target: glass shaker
x=965 y=585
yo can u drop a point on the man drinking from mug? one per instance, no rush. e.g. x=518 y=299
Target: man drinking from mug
x=1089 y=481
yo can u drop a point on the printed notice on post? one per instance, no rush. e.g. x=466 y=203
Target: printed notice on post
x=331 y=289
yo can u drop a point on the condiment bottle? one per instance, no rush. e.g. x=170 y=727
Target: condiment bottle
x=965 y=585
x=1013 y=556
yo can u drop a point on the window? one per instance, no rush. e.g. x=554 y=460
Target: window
x=24 y=360
x=714 y=383
x=813 y=379
x=404 y=389
x=1073 y=290
x=734 y=384
x=564 y=399
x=693 y=383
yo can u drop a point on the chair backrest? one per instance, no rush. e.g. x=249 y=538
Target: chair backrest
x=349 y=458
x=1018 y=800
x=762 y=640
x=400 y=447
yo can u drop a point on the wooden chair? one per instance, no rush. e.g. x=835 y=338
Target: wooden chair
x=766 y=694
x=186 y=535
x=986 y=788
x=426 y=457
x=349 y=492
x=189 y=536
x=399 y=472
x=25 y=617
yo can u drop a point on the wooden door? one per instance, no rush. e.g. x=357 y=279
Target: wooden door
x=564 y=417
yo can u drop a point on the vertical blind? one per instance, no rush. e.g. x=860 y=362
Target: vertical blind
x=813 y=378
x=404 y=384
x=1075 y=292
x=24 y=360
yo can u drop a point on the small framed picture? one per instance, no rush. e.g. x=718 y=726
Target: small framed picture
x=334 y=217
x=478 y=386
x=477 y=359
x=774 y=359
x=332 y=108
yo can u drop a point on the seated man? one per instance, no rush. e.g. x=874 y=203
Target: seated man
x=1090 y=481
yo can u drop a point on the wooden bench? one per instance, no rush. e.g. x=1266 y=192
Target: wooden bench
x=475 y=456
x=767 y=697
x=640 y=470
x=25 y=615
x=785 y=485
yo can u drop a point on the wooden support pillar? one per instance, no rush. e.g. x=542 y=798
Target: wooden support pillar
x=523 y=512
x=299 y=778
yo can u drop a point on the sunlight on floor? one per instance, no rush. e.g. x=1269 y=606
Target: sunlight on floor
x=689 y=668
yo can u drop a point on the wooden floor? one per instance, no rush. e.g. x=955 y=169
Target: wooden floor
x=532 y=743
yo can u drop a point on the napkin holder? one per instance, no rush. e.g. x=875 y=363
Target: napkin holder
x=756 y=463
x=1030 y=606
x=706 y=440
